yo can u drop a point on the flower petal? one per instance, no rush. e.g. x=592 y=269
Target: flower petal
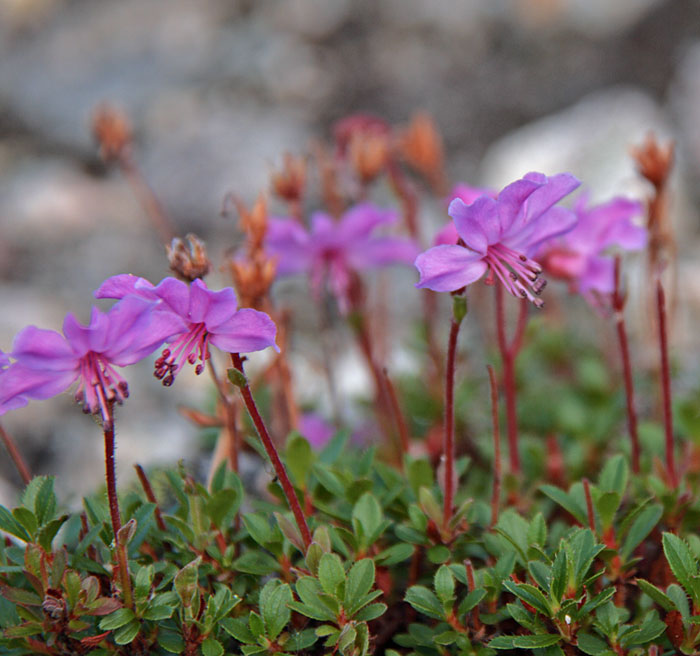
x=20 y=383
x=474 y=222
x=448 y=268
x=287 y=241
x=381 y=251
x=359 y=221
x=175 y=294
x=556 y=221
x=125 y=283
x=43 y=349
x=246 y=331
x=599 y=276
x=218 y=307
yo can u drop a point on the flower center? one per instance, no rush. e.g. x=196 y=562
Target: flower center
x=519 y=274
x=100 y=386
x=191 y=346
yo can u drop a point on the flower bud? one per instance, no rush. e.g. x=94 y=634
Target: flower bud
x=189 y=260
x=112 y=131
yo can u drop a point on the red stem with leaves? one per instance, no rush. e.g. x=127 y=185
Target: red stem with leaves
x=271 y=451
x=496 y=496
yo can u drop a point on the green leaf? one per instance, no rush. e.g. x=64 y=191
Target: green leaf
x=126 y=634
x=212 y=647
x=171 y=642
x=238 y=628
x=185 y=582
x=117 y=619
x=309 y=591
x=395 y=554
x=607 y=505
x=329 y=480
x=514 y=528
x=256 y=562
x=535 y=641
x=27 y=519
x=302 y=640
x=299 y=458
x=10 y=525
x=359 y=582
x=584 y=549
x=444 y=584
x=650 y=628
x=420 y=474
x=222 y=507
x=44 y=505
x=446 y=637
x=566 y=501
x=682 y=563
x=260 y=529
x=470 y=601
x=425 y=601
x=157 y=613
x=659 y=597
x=537 y=531
x=614 y=476
x=48 y=532
x=313 y=557
x=331 y=573
x=530 y=595
x=591 y=644
x=541 y=573
x=560 y=575
x=370 y=612
x=367 y=518
x=680 y=600
x=642 y=525
x=274 y=608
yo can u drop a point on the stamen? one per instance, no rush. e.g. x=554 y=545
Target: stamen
x=518 y=273
x=190 y=347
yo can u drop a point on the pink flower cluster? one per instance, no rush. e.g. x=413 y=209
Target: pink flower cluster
x=44 y=363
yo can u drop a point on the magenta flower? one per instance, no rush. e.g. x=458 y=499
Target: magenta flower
x=47 y=363
x=577 y=256
x=500 y=235
x=334 y=250
x=467 y=193
x=204 y=316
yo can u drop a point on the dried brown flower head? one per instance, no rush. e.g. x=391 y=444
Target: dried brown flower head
x=289 y=182
x=420 y=145
x=112 y=131
x=188 y=258
x=654 y=161
x=368 y=154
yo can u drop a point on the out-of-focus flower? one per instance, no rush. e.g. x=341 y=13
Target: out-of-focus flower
x=334 y=250
x=365 y=124
x=500 y=235
x=420 y=144
x=205 y=316
x=577 y=256
x=46 y=362
x=316 y=430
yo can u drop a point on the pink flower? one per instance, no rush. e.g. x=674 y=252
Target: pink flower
x=334 y=250
x=577 y=256
x=315 y=429
x=47 y=363
x=467 y=193
x=500 y=235
x=205 y=317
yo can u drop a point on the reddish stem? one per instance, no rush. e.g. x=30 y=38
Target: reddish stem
x=509 y=353
x=449 y=442
x=496 y=496
x=271 y=450
x=111 y=479
x=398 y=416
x=666 y=385
x=146 y=485
x=589 y=504
x=618 y=303
x=16 y=456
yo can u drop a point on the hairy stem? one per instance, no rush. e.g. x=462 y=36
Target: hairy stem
x=589 y=505
x=398 y=417
x=496 y=496
x=148 y=490
x=666 y=385
x=618 y=302
x=271 y=451
x=448 y=451
x=111 y=479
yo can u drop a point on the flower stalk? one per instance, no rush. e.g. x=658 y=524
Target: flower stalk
x=270 y=449
x=666 y=385
x=16 y=456
x=509 y=354
x=459 y=311
x=618 y=304
x=496 y=495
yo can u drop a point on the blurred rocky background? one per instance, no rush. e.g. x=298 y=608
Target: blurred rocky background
x=217 y=90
